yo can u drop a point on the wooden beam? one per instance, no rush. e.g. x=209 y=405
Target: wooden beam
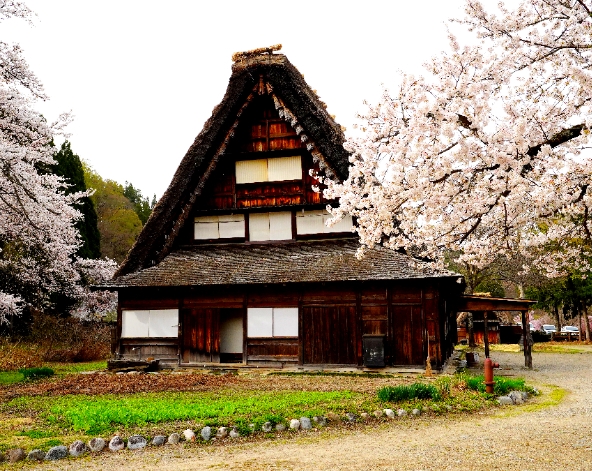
x=477 y=303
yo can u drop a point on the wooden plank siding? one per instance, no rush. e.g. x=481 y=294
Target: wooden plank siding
x=333 y=318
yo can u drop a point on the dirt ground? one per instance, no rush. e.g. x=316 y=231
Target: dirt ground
x=513 y=438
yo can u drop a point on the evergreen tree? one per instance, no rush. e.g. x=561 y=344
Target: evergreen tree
x=141 y=204
x=69 y=166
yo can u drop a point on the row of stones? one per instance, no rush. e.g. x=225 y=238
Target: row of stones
x=136 y=442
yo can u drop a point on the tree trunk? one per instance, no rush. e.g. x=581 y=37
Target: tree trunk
x=556 y=314
x=579 y=323
x=586 y=323
x=527 y=341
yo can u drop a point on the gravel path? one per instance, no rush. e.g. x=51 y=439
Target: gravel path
x=555 y=438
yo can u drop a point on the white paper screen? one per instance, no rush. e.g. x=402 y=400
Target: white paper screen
x=134 y=323
x=343 y=225
x=310 y=222
x=164 y=323
x=206 y=230
x=232 y=226
x=284 y=168
x=285 y=322
x=280 y=226
x=251 y=171
x=259 y=226
x=260 y=322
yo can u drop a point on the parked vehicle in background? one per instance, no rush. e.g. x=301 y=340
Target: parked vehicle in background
x=549 y=329
x=571 y=329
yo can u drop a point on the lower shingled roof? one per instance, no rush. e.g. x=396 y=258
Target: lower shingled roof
x=293 y=262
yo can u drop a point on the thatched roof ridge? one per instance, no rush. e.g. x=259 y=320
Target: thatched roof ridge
x=302 y=105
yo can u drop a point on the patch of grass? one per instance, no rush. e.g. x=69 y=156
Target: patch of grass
x=35 y=433
x=66 y=368
x=556 y=348
x=99 y=414
x=502 y=384
x=406 y=393
x=10 y=377
x=36 y=373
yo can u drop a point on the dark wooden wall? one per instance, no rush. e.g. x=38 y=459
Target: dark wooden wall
x=333 y=320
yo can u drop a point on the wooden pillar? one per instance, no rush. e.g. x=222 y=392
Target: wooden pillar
x=485 y=334
x=527 y=342
x=470 y=331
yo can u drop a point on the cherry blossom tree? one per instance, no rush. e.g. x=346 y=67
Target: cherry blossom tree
x=484 y=155
x=38 y=239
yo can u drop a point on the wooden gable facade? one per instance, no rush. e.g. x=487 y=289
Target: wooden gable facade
x=237 y=265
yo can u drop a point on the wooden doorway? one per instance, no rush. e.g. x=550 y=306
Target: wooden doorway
x=231 y=335
x=406 y=322
x=201 y=335
x=330 y=335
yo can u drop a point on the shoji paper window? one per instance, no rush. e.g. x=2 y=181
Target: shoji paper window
x=315 y=222
x=272 y=322
x=219 y=227
x=150 y=323
x=270 y=226
x=269 y=170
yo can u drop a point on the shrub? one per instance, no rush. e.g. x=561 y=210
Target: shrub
x=502 y=385
x=405 y=393
x=36 y=373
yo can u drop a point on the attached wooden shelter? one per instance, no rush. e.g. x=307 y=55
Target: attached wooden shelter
x=236 y=263
x=485 y=307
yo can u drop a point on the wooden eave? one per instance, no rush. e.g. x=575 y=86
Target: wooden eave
x=482 y=303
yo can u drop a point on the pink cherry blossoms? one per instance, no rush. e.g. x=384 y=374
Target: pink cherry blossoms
x=486 y=154
x=38 y=239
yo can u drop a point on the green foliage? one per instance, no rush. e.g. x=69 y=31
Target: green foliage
x=99 y=414
x=36 y=433
x=10 y=377
x=491 y=286
x=502 y=384
x=36 y=373
x=119 y=224
x=69 y=166
x=406 y=393
x=141 y=205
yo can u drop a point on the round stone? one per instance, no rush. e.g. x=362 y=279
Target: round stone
x=189 y=435
x=136 y=442
x=206 y=433
x=294 y=424
x=173 y=439
x=96 y=444
x=267 y=427
x=57 y=453
x=36 y=455
x=116 y=443
x=159 y=440
x=305 y=423
x=78 y=448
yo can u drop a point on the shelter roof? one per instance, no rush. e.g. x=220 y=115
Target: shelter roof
x=485 y=303
x=292 y=262
x=254 y=73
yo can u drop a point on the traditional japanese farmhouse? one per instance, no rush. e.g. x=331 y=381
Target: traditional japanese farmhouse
x=236 y=264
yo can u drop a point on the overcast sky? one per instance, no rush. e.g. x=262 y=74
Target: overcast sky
x=141 y=77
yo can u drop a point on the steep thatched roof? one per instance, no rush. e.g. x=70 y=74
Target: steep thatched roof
x=292 y=262
x=260 y=73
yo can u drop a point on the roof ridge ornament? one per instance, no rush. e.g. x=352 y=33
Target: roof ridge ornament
x=239 y=56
